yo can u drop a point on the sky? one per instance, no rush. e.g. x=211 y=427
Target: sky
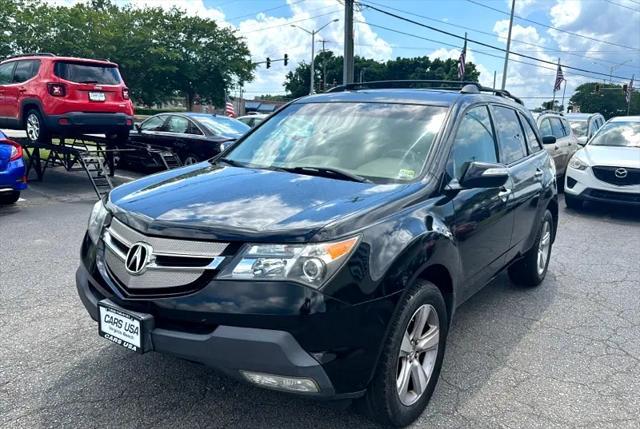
x=599 y=36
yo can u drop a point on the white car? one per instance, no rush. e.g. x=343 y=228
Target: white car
x=607 y=169
x=253 y=120
x=585 y=125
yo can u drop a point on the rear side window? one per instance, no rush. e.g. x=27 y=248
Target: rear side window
x=6 y=73
x=87 y=73
x=566 y=127
x=25 y=70
x=545 y=128
x=556 y=128
x=154 y=124
x=510 y=138
x=474 y=141
x=177 y=124
x=532 y=140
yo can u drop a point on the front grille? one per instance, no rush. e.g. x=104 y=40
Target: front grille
x=630 y=176
x=171 y=266
x=614 y=196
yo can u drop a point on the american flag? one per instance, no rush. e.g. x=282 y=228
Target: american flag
x=627 y=95
x=228 y=109
x=559 y=79
x=462 y=59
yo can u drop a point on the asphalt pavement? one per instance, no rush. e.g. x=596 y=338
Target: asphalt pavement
x=565 y=354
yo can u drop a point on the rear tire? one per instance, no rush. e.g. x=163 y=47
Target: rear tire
x=10 y=197
x=531 y=270
x=35 y=127
x=572 y=202
x=410 y=353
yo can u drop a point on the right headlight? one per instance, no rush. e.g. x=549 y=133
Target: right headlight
x=578 y=164
x=311 y=264
x=96 y=221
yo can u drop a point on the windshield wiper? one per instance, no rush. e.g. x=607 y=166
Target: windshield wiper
x=231 y=162
x=326 y=172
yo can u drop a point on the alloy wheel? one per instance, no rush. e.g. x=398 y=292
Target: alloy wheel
x=418 y=353
x=33 y=127
x=544 y=247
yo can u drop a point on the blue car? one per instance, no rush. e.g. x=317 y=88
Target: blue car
x=12 y=178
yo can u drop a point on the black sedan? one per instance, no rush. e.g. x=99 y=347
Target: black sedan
x=193 y=137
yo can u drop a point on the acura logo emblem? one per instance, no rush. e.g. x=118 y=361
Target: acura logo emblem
x=621 y=173
x=138 y=257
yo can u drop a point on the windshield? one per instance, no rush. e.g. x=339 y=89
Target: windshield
x=579 y=128
x=618 y=134
x=221 y=125
x=383 y=141
x=87 y=73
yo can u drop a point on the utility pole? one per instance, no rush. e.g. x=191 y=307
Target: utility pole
x=324 y=65
x=313 y=52
x=506 y=54
x=494 y=79
x=347 y=71
x=630 y=91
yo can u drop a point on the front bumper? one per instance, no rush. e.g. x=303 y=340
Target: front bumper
x=12 y=177
x=81 y=122
x=274 y=328
x=583 y=185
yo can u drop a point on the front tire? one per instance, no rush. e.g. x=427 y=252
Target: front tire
x=532 y=268
x=411 y=360
x=35 y=127
x=10 y=198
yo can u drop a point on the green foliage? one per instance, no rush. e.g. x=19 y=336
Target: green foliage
x=161 y=53
x=550 y=105
x=421 y=68
x=609 y=101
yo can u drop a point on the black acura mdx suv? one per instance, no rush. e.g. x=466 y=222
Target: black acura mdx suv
x=325 y=253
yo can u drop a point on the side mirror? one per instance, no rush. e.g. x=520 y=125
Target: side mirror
x=138 y=127
x=548 y=140
x=484 y=175
x=582 y=141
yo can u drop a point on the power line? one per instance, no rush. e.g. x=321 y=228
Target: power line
x=493 y=35
x=448 y=33
x=553 y=28
x=624 y=6
x=265 y=10
x=475 y=51
x=289 y=22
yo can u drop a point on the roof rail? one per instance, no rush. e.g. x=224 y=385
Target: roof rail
x=31 y=54
x=463 y=86
x=550 y=111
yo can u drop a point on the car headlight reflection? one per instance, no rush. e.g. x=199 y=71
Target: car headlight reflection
x=311 y=264
x=578 y=164
x=96 y=221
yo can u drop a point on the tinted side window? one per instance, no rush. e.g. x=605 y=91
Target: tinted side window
x=510 y=138
x=177 y=124
x=154 y=124
x=6 y=73
x=25 y=70
x=556 y=128
x=193 y=129
x=566 y=127
x=532 y=140
x=474 y=141
x=545 y=128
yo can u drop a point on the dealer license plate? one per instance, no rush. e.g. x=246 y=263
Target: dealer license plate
x=121 y=328
x=97 y=96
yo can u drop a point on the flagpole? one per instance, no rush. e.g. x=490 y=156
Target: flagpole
x=630 y=92
x=563 y=92
x=553 y=102
x=464 y=59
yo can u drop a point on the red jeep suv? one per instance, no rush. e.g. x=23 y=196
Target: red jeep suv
x=49 y=95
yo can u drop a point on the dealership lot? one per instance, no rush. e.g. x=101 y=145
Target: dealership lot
x=566 y=354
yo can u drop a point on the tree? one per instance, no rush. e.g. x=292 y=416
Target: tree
x=550 y=105
x=420 y=68
x=609 y=100
x=161 y=53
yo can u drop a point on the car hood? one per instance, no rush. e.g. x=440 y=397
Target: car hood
x=612 y=156
x=220 y=202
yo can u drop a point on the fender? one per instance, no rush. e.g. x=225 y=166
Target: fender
x=27 y=101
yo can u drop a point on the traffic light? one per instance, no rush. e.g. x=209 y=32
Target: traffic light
x=268 y=62
x=286 y=59
x=597 y=87
x=624 y=88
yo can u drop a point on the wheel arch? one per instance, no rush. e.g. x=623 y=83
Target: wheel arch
x=29 y=104
x=552 y=206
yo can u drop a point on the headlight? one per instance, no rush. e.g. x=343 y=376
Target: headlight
x=96 y=221
x=311 y=264
x=577 y=164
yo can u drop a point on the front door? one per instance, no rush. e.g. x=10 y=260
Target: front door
x=6 y=104
x=481 y=223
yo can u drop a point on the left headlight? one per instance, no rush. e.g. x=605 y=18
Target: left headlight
x=96 y=221
x=311 y=264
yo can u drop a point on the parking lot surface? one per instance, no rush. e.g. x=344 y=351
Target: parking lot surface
x=565 y=354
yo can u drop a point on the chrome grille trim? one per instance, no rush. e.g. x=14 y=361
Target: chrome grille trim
x=166 y=246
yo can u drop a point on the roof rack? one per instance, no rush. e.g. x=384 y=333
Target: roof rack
x=550 y=111
x=31 y=54
x=463 y=86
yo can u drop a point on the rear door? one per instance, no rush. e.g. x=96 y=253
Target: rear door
x=524 y=170
x=481 y=224
x=572 y=141
x=553 y=148
x=562 y=142
x=25 y=70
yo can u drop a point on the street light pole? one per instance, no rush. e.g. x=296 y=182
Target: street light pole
x=612 y=68
x=313 y=52
x=506 y=54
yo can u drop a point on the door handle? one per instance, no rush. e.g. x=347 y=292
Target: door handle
x=538 y=173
